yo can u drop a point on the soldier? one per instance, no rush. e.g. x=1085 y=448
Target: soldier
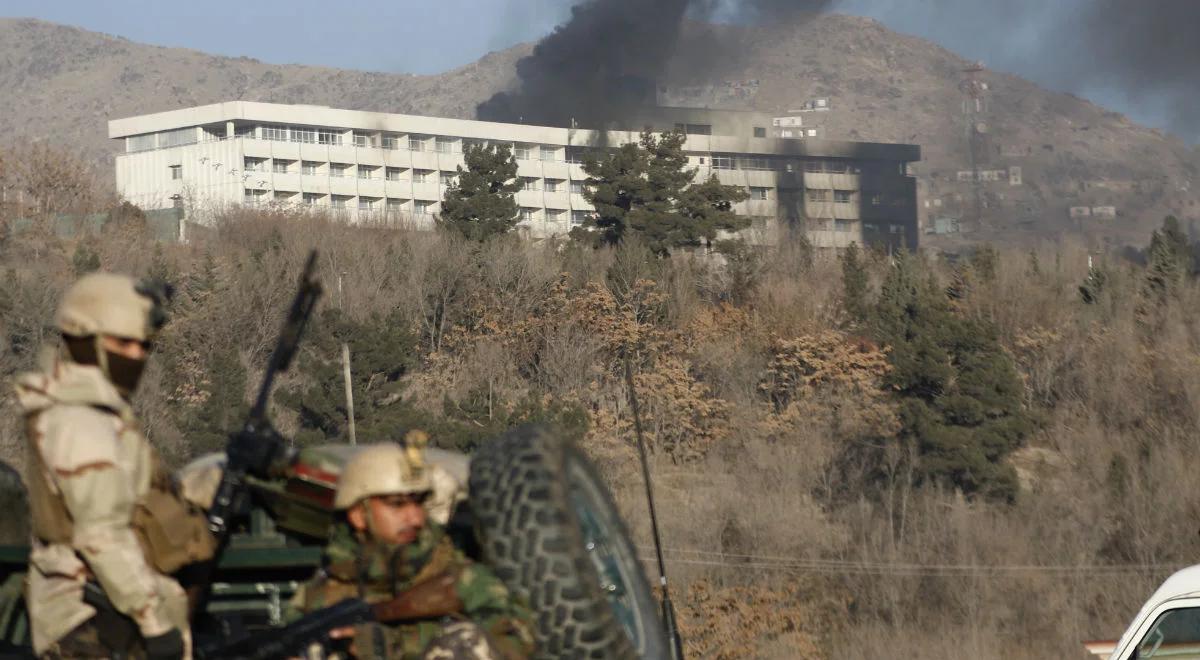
x=108 y=526
x=389 y=541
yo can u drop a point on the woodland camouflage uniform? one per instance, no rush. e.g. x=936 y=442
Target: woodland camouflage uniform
x=103 y=508
x=491 y=623
x=376 y=574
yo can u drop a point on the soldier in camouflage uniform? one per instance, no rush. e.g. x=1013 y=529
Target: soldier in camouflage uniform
x=105 y=515
x=385 y=544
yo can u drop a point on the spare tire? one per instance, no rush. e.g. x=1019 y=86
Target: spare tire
x=548 y=527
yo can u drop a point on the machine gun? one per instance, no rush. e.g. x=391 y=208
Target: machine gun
x=257 y=448
x=430 y=600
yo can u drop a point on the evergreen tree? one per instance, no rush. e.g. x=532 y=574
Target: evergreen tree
x=854 y=284
x=649 y=189
x=961 y=395
x=1169 y=261
x=482 y=201
x=985 y=261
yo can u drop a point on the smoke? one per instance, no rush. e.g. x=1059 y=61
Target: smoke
x=1137 y=56
x=606 y=61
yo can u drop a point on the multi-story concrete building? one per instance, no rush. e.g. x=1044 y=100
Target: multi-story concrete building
x=384 y=167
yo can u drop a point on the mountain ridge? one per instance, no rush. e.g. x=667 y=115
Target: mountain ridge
x=65 y=82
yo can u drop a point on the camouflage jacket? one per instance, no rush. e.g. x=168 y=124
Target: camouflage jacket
x=379 y=573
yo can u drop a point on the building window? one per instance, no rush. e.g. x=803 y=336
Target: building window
x=280 y=166
x=694 y=129
x=391 y=142
x=761 y=164
x=868 y=227
x=444 y=145
x=552 y=185
x=577 y=187
x=422 y=207
x=522 y=151
x=528 y=214
x=759 y=194
x=843 y=225
x=723 y=162
x=896 y=229
x=254 y=196
x=338 y=169
x=549 y=154
x=255 y=164
x=366 y=172
x=332 y=138
x=304 y=135
x=843 y=196
x=283 y=196
x=421 y=176
x=141 y=142
x=176 y=172
x=395 y=205
x=877 y=199
x=177 y=137
x=393 y=173
x=311 y=199
x=277 y=133
x=760 y=132
x=555 y=215
x=416 y=143
x=817 y=195
x=529 y=183
x=447 y=178
x=309 y=168
x=580 y=217
x=244 y=131
x=367 y=203
x=813 y=166
x=339 y=201
x=364 y=140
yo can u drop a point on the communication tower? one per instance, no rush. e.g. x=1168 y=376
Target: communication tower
x=975 y=116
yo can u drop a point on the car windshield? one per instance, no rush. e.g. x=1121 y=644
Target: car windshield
x=1175 y=635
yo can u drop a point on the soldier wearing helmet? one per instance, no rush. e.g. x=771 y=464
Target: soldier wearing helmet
x=108 y=527
x=388 y=541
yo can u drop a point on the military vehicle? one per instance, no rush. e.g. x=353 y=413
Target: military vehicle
x=533 y=508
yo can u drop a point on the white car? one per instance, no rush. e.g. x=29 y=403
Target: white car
x=1167 y=626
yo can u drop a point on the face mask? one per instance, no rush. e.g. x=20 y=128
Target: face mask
x=124 y=372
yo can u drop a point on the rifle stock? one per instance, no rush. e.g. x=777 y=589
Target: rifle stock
x=433 y=599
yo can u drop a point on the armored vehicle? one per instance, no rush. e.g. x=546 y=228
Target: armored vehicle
x=532 y=507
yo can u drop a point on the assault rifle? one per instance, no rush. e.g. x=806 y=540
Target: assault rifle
x=257 y=448
x=430 y=600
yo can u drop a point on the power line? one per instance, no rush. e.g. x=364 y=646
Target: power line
x=844 y=567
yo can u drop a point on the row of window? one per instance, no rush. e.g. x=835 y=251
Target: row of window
x=362 y=203
x=825 y=195
x=778 y=164
x=410 y=142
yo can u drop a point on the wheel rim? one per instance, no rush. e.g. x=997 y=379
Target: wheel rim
x=609 y=556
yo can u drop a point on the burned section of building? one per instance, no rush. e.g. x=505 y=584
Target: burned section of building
x=390 y=168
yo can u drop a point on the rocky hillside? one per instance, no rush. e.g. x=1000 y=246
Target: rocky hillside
x=62 y=83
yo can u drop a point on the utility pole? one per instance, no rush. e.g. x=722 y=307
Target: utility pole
x=346 y=371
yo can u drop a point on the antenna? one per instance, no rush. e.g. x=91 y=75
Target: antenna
x=674 y=640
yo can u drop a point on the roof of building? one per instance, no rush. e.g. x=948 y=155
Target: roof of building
x=322 y=116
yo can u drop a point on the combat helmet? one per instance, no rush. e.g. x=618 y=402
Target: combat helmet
x=108 y=304
x=385 y=469
x=102 y=304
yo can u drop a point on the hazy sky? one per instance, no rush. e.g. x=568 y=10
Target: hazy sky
x=429 y=36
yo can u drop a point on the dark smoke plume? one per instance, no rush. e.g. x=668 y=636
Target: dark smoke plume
x=1139 y=56
x=607 y=60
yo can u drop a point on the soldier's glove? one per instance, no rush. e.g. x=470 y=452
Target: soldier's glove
x=167 y=646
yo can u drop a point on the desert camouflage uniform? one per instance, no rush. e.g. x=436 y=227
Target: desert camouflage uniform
x=89 y=469
x=491 y=625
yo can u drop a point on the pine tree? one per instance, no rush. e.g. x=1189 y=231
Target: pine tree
x=962 y=399
x=482 y=201
x=648 y=188
x=1169 y=260
x=854 y=284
